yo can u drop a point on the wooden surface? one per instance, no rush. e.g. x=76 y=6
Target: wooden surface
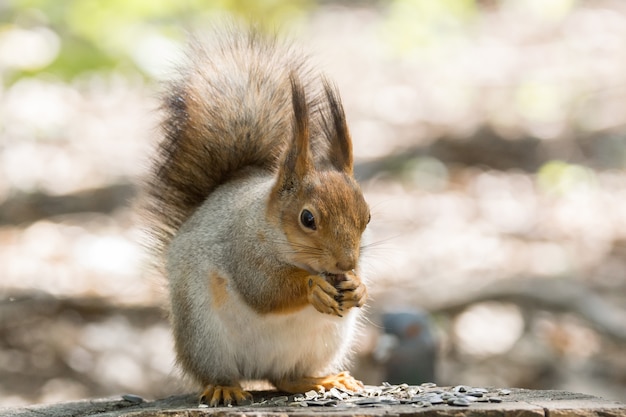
x=519 y=403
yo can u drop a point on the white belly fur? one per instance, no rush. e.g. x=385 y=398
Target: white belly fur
x=276 y=346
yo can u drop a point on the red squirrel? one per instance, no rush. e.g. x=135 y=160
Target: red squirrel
x=257 y=220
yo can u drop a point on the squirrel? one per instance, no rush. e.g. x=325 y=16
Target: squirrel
x=256 y=219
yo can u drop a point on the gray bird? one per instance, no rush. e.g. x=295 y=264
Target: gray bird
x=408 y=348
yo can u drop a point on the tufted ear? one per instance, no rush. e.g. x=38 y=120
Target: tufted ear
x=298 y=160
x=336 y=130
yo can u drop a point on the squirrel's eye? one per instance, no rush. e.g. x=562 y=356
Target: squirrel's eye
x=307 y=219
x=369 y=218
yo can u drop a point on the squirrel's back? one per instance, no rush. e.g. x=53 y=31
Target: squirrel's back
x=230 y=108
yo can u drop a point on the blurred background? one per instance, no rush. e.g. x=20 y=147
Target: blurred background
x=489 y=138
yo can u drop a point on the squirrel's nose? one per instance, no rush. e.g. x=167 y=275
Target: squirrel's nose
x=347 y=264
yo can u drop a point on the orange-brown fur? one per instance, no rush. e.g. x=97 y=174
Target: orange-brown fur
x=219 y=290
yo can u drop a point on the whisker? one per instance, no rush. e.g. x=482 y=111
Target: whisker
x=365 y=318
x=380 y=242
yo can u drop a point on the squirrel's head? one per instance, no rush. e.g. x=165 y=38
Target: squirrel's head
x=321 y=210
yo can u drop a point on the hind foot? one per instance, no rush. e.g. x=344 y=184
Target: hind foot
x=342 y=380
x=214 y=395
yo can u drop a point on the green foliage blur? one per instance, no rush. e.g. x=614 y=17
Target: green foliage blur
x=78 y=36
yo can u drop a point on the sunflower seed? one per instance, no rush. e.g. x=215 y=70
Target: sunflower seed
x=334 y=393
x=321 y=403
x=447 y=395
x=135 y=399
x=386 y=395
x=367 y=401
x=282 y=400
x=390 y=401
x=434 y=400
x=459 y=402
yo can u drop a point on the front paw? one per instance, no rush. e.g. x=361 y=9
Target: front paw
x=324 y=296
x=352 y=291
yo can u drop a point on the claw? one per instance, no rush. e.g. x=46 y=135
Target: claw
x=353 y=291
x=323 y=296
x=214 y=395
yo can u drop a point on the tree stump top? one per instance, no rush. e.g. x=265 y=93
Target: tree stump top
x=516 y=402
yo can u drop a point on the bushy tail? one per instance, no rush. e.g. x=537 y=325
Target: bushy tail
x=229 y=109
